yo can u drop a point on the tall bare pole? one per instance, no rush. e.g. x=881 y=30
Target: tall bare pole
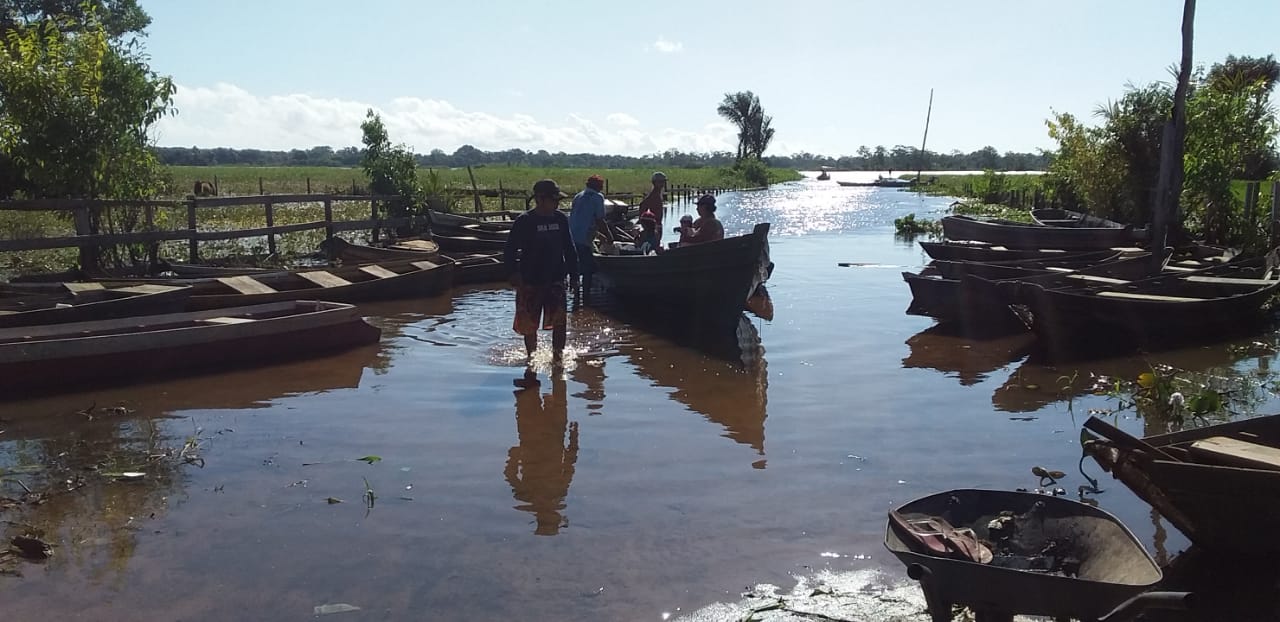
x=927 y=116
x=1169 y=182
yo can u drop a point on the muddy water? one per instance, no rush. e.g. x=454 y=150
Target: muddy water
x=641 y=480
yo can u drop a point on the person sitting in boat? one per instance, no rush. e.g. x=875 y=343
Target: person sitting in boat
x=648 y=239
x=706 y=228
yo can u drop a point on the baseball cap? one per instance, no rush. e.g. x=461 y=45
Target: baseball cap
x=658 y=176
x=548 y=188
x=707 y=199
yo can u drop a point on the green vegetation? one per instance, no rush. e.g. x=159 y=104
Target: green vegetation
x=908 y=227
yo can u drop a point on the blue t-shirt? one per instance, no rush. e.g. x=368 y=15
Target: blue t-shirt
x=588 y=207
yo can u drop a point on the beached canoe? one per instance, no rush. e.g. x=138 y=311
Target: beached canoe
x=1212 y=483
x=82 y=302
x=1031 y=236
x=469 y=268
x=67 y=357
x=1051 y=217
x=984 y=252
x=356 y=283
x=468 y=243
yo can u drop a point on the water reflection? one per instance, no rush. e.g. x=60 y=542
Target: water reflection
x=944 y=349
x=540 y=467
x=1036 y=384
x=730 y=393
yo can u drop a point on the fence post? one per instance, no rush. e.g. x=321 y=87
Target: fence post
x=260 y=190
x=502 y=196
x=328 y=218
x=153 y=248
x=308 y=185
x=193 y=245
x=1275 y=211
x=271 y=222
x=88 y=254
x=373 y=214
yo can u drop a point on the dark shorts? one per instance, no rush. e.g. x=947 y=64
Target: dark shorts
x=586 y=260
x=540 y=305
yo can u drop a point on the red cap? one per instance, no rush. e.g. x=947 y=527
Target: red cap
x=648 y=215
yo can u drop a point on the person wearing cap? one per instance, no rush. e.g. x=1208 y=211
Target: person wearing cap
x=653 y=201
x=707 y=228
x=538 y=255
x=586 y=219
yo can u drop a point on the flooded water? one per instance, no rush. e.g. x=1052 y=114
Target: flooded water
x=644 y=481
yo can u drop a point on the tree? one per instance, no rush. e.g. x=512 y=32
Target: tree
x=755 y=130
x=391 y=169
x=117 y=17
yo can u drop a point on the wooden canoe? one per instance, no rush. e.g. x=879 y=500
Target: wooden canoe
x=1048 y=217
x=467 y=244
x=81 y=302
x=469 y=268
x=1021 y=267
x=1214 y=483
x=704 y=286
x=1172 y=308
x=67 y=357
x=984 y=252
x=357 y=283
x=414 y=250
x=1029 y=236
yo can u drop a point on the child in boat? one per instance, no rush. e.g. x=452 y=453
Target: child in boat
x=648 y=239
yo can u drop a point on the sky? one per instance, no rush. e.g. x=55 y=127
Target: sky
x=636 y=78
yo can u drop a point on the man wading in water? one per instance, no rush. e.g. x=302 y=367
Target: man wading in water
x=539 y=254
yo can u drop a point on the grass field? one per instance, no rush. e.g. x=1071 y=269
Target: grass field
x=246 y=180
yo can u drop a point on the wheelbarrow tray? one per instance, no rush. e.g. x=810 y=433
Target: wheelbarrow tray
x=1113 y=565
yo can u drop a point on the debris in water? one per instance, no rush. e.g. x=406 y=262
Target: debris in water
x=324 y=610
x=333 y=500
x=370 y=459
x=32 y=548
x=1023 y=418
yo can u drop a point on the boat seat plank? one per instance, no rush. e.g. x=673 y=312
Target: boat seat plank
x=424 y=265
x=246 y=285
x=1174 y=268
x=1226 y=280
x=324 y=279
x=1238 y=453
x=228 y=320
x=378 y=271
x=76 y=288
x=148 y=288
x=1059 y=269
x=1097 y=279
x=1151 y=297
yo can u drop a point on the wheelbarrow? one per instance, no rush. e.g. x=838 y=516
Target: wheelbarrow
x=1008 y=553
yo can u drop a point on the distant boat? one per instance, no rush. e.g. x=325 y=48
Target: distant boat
x=823 y=176
x=881 y=182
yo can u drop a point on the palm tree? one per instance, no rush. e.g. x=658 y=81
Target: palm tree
x=755 y=130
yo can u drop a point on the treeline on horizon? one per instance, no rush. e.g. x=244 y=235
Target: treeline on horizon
x=898 y=157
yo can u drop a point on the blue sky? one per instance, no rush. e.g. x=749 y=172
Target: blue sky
x=638 y=77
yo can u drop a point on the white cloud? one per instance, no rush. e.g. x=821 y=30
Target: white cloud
x=667 y=47
x=622 y=119
x=226 y=115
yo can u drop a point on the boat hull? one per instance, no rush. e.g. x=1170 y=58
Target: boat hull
x=119 y=302
x=35 y=360
x=1024 y=236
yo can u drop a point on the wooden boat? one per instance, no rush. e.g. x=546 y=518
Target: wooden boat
x=1171 y=308
x=978 y=304
x=706 y=285
x=984 y=252
x=416 y=250
x=1004 y=553
x=882 y=182
x=1029 y=236
x=1022 y=267
x=1213 y=483
x=1047 y=217
x=468 y=268
x=823 y=176
x=360 y=283
x=82 y=302
x=467 y=244
x=79 y=355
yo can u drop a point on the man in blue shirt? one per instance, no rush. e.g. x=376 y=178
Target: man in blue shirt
x=586 y=218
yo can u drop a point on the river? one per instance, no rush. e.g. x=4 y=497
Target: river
x=646 y=481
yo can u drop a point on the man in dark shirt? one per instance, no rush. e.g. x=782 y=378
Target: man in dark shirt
x=539 y=254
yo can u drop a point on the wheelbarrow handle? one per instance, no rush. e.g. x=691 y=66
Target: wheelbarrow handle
x=1132 y=608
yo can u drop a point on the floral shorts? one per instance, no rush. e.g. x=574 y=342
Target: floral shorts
x=546 y=302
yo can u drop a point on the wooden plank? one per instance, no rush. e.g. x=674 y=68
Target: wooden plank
x=328 y=219
x=353 y=225
x=285 y=198
x=259 y=232
x=246 y=285
x=424 y=265
x=76 y=288
x=271 y=224
x=1172 y=268
x=228 y=320
x=1150 y=297
x=1238 y=453
x=66 y=205
x=103 y=239
x=1226 y=280
x=378 y=271
x=148 y=288
x=324 y=279
x=193 y=244
x=1097 y=279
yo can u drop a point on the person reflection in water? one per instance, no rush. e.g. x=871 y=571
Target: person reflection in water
x=540 y=468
